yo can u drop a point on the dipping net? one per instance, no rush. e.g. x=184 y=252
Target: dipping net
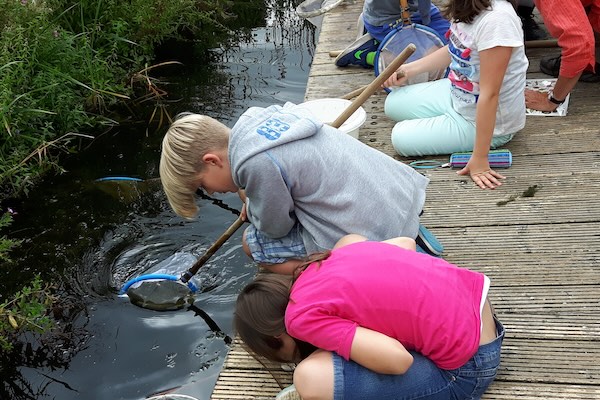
x=427 y=41
x=314 y=8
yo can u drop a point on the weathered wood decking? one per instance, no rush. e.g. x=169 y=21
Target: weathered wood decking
x=542 y=252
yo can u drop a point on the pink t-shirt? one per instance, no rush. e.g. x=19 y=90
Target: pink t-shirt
x=426 y=303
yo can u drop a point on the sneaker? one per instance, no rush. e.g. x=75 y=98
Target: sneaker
x=428 y=242
x=531 y=29
x=289 y=393
x=551 y=66
x=589 y=76
x=361 y=52
x=288 y=367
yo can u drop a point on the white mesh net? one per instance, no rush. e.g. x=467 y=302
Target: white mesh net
x=425 y=39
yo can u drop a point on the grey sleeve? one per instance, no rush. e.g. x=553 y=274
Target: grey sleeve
x=270 y=205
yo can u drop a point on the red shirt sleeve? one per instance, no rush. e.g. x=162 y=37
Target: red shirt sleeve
x=568 y=21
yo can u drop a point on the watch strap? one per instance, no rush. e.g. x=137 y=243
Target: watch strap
x=552 y=99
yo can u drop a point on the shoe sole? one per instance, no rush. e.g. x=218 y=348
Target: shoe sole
x=428 y=242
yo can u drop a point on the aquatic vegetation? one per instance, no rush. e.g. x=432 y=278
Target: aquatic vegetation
x=529 y=192
x=65 y=66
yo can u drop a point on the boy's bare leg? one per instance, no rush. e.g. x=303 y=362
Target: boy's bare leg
x=349 y=239
x=404 y=242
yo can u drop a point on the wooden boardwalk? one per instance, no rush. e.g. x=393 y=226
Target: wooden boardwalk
x=537 y=237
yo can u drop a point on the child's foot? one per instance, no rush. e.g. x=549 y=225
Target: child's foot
x=362 y=52
x=288 y=367
x=289 y=393
x=428 y=242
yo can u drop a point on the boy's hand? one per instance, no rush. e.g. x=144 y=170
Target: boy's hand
x=243 y=212
x=481 y=173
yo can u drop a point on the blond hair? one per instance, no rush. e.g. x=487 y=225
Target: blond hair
x=187 y=140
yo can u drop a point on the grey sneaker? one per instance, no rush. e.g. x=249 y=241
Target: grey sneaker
x=289 y=393
x=288 y=367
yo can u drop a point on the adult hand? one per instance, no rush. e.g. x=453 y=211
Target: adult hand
x=537 y=100
x=481 y=173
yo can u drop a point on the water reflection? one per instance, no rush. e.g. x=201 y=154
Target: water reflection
x=91 y=237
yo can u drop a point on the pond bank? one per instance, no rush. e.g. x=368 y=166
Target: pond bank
x=89 y=238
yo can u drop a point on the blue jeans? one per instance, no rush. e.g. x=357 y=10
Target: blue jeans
x=423 y=380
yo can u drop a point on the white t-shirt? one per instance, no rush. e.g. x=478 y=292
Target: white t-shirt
x=498 y=26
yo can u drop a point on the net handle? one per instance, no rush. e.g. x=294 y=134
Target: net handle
x=361 y=89
x=375 y=85
x=365 y=94
x=187 y=275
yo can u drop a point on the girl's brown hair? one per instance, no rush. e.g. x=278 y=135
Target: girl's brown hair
x=466 y=10
x=260 y=311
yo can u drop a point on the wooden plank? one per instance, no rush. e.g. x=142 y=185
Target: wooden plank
x=500 y=390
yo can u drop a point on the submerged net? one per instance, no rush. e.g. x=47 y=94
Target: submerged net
x=427 y=41
x=165 y=292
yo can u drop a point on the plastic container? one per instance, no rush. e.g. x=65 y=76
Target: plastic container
x=327 y=111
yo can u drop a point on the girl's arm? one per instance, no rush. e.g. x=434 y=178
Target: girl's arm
x=438 y=60
x=379 y=352
x=493 y=65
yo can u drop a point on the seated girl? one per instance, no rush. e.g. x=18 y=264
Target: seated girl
x=481 y=104
x=387 y=322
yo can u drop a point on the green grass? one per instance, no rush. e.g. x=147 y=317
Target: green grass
x=65 y=65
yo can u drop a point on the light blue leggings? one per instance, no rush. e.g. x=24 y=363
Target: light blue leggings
x=428 y=123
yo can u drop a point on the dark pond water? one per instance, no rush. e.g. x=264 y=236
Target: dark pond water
x=90 y=237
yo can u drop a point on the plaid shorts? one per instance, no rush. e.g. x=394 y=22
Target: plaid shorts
x=275 y=251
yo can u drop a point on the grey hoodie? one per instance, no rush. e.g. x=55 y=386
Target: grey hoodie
x=295 y=168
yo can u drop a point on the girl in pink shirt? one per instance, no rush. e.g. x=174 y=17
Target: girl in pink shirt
x=388 y=323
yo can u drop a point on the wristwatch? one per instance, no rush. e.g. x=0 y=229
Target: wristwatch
x=551 y=99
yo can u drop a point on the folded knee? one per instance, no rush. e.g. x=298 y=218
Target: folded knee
x=403 y=141
x=313 y=377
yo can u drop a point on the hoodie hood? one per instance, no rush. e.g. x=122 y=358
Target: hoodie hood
x=260 y=129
